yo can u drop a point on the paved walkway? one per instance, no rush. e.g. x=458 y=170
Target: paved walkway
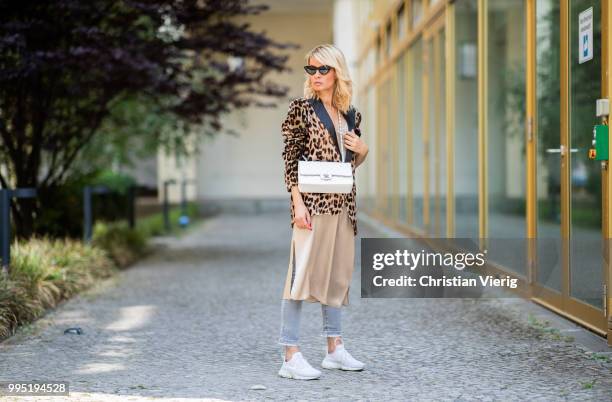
x=200 y=320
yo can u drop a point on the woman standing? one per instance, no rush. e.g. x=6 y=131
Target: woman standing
x=320 y=126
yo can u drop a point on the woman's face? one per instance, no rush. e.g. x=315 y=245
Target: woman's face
x=318 y=81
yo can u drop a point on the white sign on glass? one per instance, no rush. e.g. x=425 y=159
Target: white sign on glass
x=585 y=35
x=468 y=60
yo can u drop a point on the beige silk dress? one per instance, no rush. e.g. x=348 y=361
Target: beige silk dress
x=322 y=260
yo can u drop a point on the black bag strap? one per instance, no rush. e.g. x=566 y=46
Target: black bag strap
x=350 y=120
x=349 y=116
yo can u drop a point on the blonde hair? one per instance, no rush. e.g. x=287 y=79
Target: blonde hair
x=343 y=86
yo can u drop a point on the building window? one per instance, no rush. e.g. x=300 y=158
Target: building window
x=417 y=11
x=369 y=64
x=467 y=60
x=401 y=22
x=388 y=39
x=417 y=162
x=466 y=120
x=506 y=130
x=402 y=137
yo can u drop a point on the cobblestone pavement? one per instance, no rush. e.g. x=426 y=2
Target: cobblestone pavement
x=199 y=319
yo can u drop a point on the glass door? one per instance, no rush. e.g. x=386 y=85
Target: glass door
x=569 y=272
x=586 y=277
x=549 y=154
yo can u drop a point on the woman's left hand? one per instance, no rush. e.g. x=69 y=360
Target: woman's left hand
x=353 y=142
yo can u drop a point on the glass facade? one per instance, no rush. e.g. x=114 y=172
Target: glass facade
x=506 y=117
x=484 y=121
x=418 y=148
x=466 y=120
x=416 y=11
x=402 y=138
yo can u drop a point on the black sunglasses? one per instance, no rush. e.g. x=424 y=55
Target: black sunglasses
x=312 y=69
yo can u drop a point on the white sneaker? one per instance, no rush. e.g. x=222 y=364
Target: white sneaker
x=298 y=368
x=341 y=359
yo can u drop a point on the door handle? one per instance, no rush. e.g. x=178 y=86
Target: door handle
x=560 y=150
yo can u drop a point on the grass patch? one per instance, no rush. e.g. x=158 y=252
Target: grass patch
x=544 y=328
x=588 y=384
x=600 y=357
x=45 y=272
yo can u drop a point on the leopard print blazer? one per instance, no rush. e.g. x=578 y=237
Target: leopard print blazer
x=308 y=133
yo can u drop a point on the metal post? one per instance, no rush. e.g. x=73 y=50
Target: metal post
x=5 y=221
x=88 y=191
x=184 y=219
x=166 y=213
x=184 y=197
x=87 y=219
x=5 y=228
x=131 y=206
x=166 y=204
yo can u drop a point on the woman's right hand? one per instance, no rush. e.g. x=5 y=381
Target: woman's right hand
x=302 y=216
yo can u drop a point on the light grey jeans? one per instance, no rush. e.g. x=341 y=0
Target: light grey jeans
x=291 y=311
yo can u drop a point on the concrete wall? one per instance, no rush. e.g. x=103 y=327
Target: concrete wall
x=238 y=170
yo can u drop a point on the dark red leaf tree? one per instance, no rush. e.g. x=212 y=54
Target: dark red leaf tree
x=64 y=63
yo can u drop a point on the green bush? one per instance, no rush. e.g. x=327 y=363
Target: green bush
x=61 y=207
x=123 y=245
x=116 y=182
x=153 y=225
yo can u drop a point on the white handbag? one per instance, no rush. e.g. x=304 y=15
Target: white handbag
x=325 y=177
